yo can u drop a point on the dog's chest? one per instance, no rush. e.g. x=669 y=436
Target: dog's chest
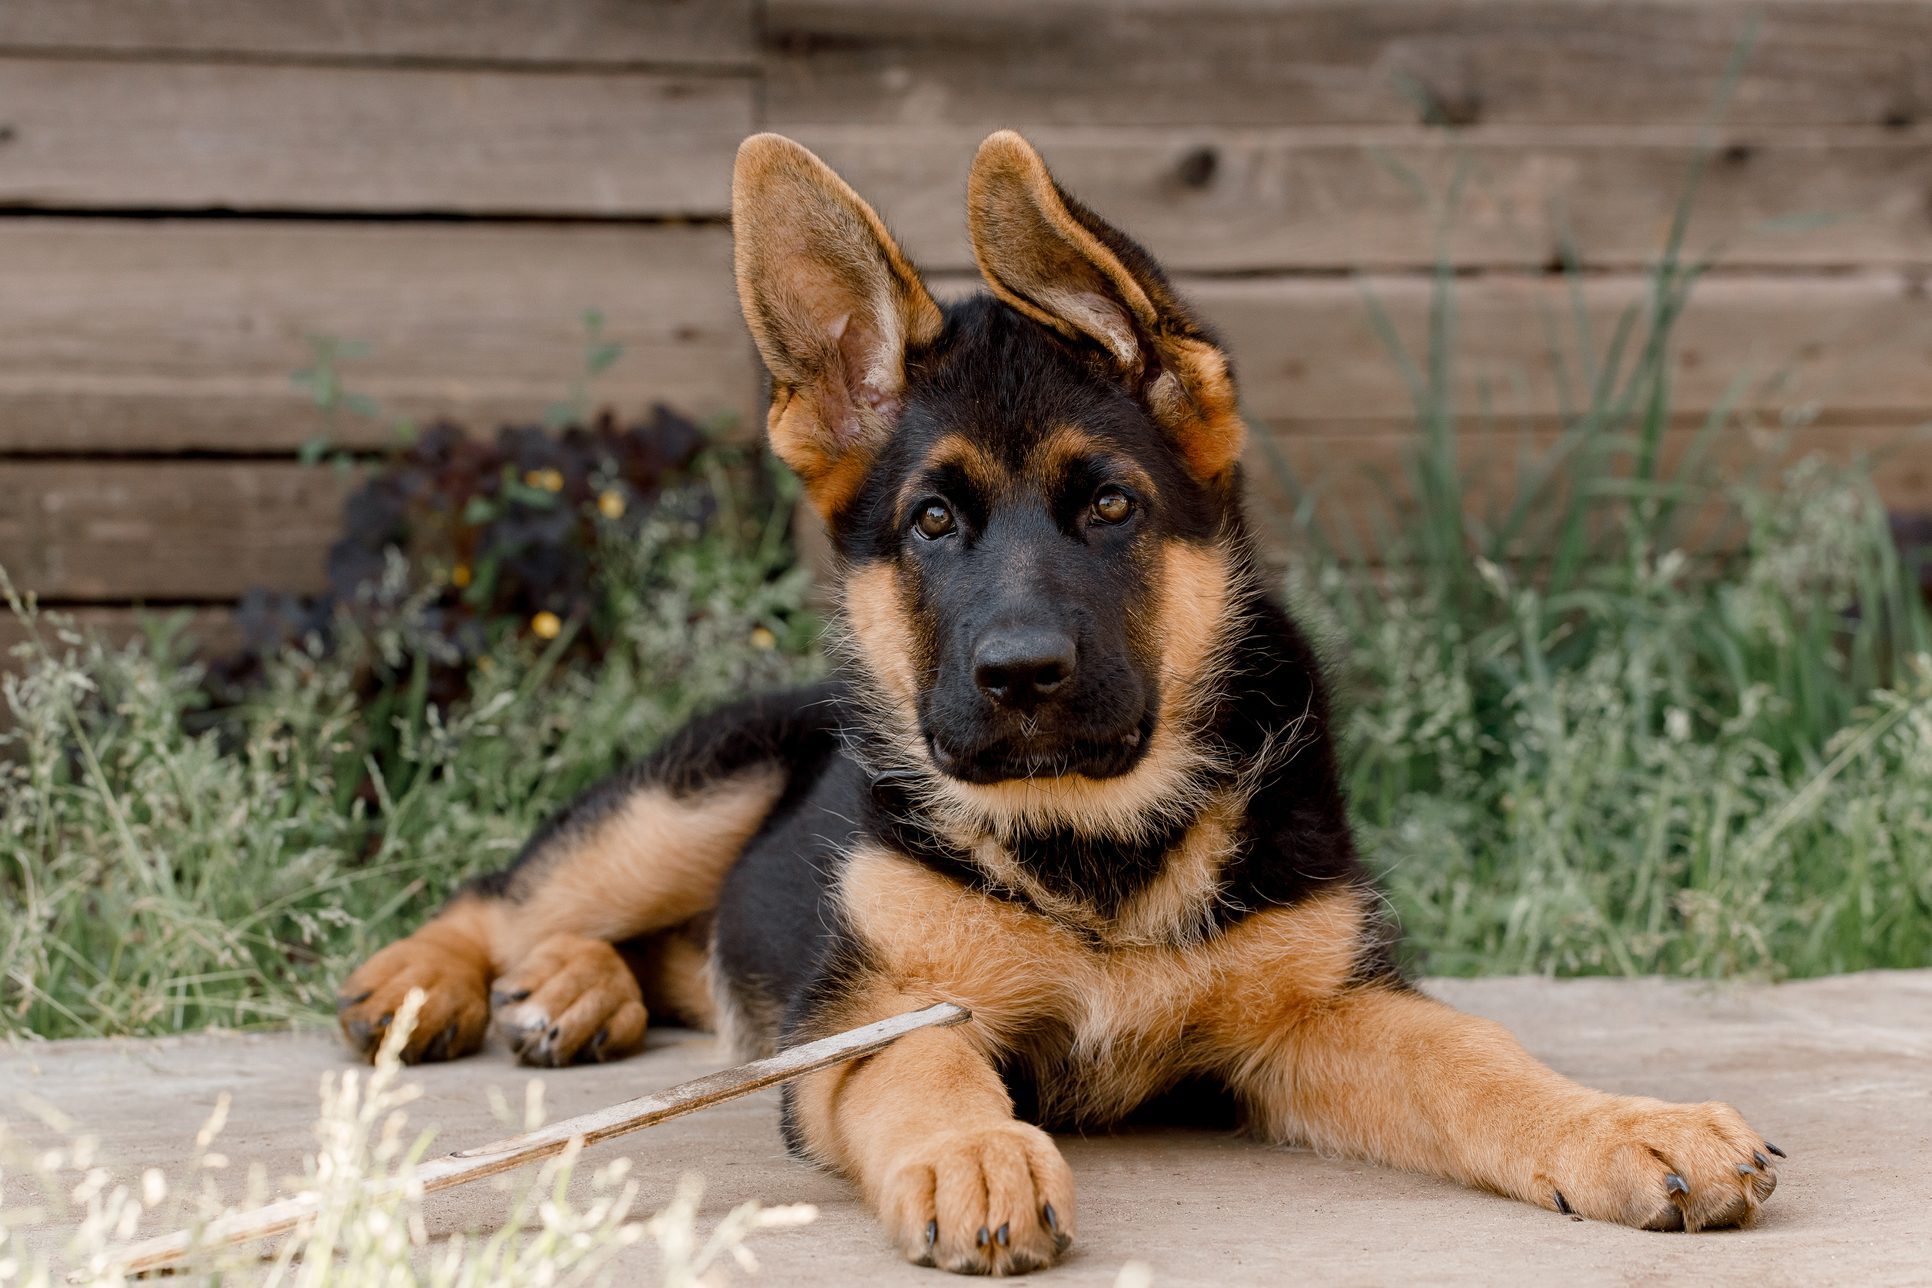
x=1119 y=1019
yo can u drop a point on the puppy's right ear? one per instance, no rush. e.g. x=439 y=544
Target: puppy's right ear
x=833 y=305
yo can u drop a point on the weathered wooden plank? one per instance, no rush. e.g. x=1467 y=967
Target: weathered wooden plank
x=212 y=629
x=1857 y=344
x=168 y=335
x=1356 y=486
x=1352 y=197
x=658 y=32
x=118 y=530
x=1263 y=62
x=84 y=134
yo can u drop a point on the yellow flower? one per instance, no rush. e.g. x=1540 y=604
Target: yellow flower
x=761 y=637
x=547 y=479
x=459 y=576
x=610 y=503
x=546 y=625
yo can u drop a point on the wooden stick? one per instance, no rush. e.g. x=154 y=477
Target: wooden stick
x=466 y=1165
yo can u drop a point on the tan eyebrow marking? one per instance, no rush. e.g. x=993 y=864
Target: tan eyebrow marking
x=960 y=452
x=1052 y=456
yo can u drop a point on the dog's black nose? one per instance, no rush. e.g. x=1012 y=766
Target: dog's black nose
x=1017 y=668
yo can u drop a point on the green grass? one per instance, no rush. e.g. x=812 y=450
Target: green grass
x=153 y=880
x=1646 y=714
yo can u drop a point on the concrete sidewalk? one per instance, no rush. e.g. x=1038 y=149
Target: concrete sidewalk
x=1838 y=1072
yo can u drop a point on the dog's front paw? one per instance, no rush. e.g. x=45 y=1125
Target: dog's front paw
x=989 y=1200
x=571 y=999
x=455 y=1013
x=1661 y=1166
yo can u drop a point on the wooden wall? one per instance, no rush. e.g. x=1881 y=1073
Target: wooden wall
x=189 y=189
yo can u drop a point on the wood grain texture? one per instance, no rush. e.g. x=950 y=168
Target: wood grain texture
x=85 y=134
x=1228 y=199
x=199 y=530
x=703 y=33
x=1856 y=344
x=1354 y=486
x=174 y=335
x=213 y=630
x=1262 y=62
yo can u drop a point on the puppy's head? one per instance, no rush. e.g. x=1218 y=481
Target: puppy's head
x=1034 y=494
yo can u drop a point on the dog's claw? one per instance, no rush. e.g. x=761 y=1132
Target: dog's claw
x=1000 y=1235
x=369 y=1033
x=1052 y=1222
x=981 y=1240
x=1762 y=1161
x=500 y=997
x=344 y=1002
x=932 y=1233
x=1774 y=1149
x=1745 y=1169
x=1562 y=1204
x=1675 y=1183
x=438 y=1048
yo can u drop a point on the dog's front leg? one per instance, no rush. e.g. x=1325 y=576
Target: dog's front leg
x=926 y=1129
x=1392 y=1075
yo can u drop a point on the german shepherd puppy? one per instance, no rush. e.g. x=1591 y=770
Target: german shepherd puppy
x=1076 y=774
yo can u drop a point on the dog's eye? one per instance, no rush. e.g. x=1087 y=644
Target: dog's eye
x=1111 y=505
x=934 y=520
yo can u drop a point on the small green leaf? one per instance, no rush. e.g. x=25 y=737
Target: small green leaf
x=603 y=355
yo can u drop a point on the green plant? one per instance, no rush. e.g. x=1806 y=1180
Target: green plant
x=1642 y=716
x=159 y=873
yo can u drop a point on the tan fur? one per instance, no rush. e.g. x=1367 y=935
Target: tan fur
x=570 y=997
x=1400 y=1078
x=1177 y=908
x=926 y=1129
x=878 y=624
x=650 y=866
x=450 y=959
x=655 y=862
x=1038 y=256
x=833 y=305
x=1126 y=1007
x=1271 y=1005
x=978 y=464
x=673 y=970
x=1062 y=447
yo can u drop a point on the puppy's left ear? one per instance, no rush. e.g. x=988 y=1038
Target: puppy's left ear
x=1063 y=266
